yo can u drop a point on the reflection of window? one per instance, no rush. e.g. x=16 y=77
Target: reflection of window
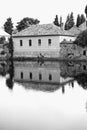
x=21 y=43
x=21 y=75
x=64 y=39
x=84 y=67
x=30 y=75
x=84 y=52
x=49 y=42
x=30 y=42
x=39 y=42
x=40 y=77
x=50 y=77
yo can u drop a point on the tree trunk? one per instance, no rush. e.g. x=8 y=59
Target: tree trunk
x=86 y=20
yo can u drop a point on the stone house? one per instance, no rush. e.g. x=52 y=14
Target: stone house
x=40 y=40
x=71 y=50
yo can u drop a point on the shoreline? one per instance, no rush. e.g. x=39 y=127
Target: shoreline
x=43 y=59
x=47 y=59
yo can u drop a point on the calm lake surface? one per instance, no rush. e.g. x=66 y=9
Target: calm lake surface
x=43 y=95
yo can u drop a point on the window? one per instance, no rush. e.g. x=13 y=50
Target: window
x=40 y=77
x=30 y=75
x=49 y=42
x=50 y=77
x=84 y=53
x=39 y=42
x=21 y=43
x=30 y=42
x=21 y=75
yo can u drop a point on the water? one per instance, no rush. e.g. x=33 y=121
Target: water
x=43 y=96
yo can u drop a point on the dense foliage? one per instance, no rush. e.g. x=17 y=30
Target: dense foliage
x=80 y=19
x=86 y=10
x=2 y=40
x=81 y=39
x=25 y=22
x=82 y=80
x=8 y=26
x=69 y=21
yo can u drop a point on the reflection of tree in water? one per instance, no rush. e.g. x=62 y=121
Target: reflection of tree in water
x=82 y=80
x=9 y=80
x=3 y=73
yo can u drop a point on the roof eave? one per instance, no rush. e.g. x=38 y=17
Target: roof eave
x=16 y=36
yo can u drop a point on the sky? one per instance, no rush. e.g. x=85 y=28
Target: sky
x=43 y=10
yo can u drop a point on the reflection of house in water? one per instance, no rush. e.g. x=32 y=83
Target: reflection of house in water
x=71 y=69
x=44 y=77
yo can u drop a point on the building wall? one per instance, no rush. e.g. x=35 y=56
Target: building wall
x=35 y=50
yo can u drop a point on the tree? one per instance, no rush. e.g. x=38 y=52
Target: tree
x=69 y=21
x=8 y=26
x=10 y=47
x=2 y=40
x=66 y=23
x=25 y=22
x=86 y=14
x=10 y=79
x=81 y=39
x=56 y=22
x=78 y=21
x=86 y=11
x=82 y=18
x=82 y=80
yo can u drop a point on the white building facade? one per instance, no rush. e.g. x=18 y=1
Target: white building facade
x=40 y=40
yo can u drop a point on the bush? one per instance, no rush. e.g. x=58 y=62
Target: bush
x=2 y=53
x=81 y=39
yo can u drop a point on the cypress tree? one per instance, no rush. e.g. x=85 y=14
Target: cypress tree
x=69 y=21
x=78 y=21
x=82 y=18
x=66 y=23
x=56 y=22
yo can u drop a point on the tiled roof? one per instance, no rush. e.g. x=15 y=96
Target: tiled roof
x=42 y=30
x=83 y=27
x=75 y=30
